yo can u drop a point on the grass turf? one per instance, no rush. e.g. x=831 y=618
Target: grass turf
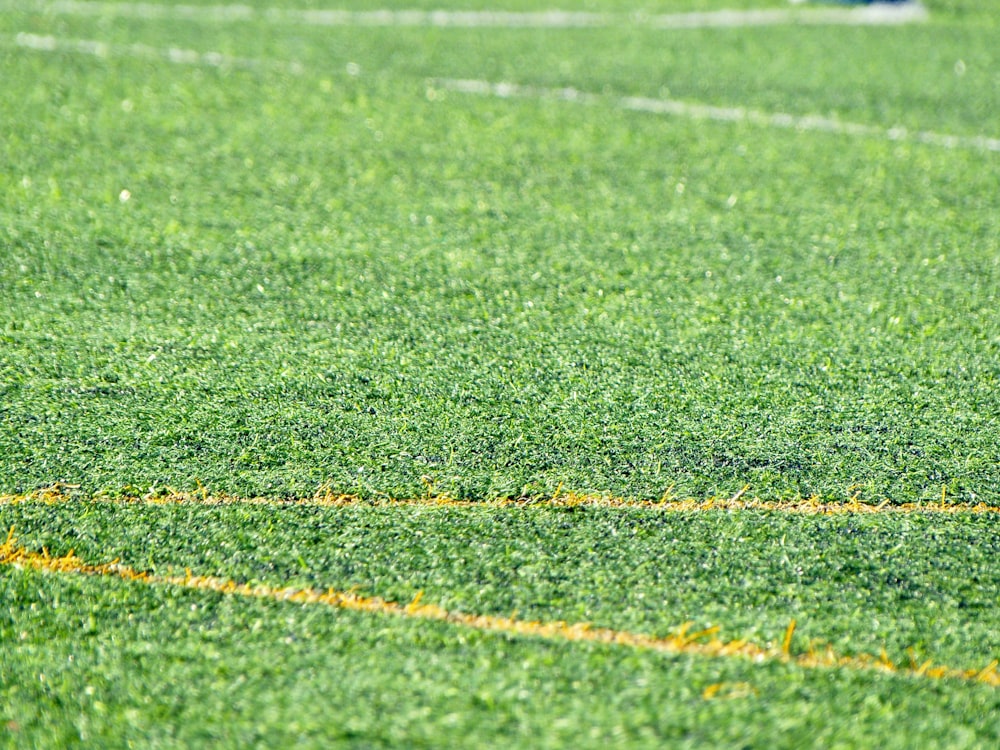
x=102 y=660
x=268 y=278
x=348 y=283
x=858 y=583
x=176 y=668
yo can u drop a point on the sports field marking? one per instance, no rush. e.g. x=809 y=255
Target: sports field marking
x=503 y=90
x=696 y=111
x=868 y=15
x=176 y=55
x=59 y=494
x=704 y=643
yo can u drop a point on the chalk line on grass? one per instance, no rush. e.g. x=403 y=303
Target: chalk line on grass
x=705 y=643
x=60 y=494
x=697 y=111
x=879 y=14
x=505 y=90
x=176 y=55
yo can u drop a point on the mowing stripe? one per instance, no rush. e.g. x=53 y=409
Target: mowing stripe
x=58 y=494
x=696 y=111
x=704 y=643
x=869 y=15
x=503 y=90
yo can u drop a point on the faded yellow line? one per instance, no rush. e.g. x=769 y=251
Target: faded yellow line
x=560 y=499
x=702 y=643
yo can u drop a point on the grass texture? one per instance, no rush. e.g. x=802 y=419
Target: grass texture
x=600 y=353
x=360 y=281
x=179 y=661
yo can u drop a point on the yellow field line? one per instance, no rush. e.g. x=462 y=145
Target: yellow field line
x=738 y=502
x=681 y=641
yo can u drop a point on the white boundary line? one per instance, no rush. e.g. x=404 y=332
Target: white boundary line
x=176 y=55
x=695 y=111
x=878 y=14
x=669 y=107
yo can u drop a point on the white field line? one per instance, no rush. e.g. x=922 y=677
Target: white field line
x=176 y=55
x=669 y=107
x=695 y=111
x=879 y=14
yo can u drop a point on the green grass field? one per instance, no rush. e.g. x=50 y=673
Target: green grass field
x=408 y=309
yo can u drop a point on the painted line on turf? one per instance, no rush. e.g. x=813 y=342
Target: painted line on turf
x=705 y=643
x=697 y=111
x=504 y=90
x=62 y=494
x=175 y=55
x=879 y=14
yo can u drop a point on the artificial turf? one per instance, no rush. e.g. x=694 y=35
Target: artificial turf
x=861 y=584
x=326 y=278
x=111 y=664
x=307 y=261
x=105 y=661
